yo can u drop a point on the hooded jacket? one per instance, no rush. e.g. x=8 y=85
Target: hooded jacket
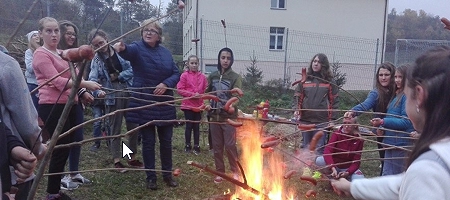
x=222 y=82
x=425 y=178
x=190 y=84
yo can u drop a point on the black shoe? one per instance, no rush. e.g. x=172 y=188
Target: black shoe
x=170 y=182
x=196 y=150
x=187 y=148
x=151 y=184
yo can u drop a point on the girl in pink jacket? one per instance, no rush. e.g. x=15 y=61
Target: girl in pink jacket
x=192 y=84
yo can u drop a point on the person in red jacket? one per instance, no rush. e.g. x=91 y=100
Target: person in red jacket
x=192 y=83
x=343 y=152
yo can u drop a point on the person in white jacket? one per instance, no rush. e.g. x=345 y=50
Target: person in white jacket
x=427 y=105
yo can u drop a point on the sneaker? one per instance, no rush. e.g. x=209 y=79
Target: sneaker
x=136 y=164
x=218 y=179
x=80 y=179
x=95 y=147
x=68 y=184
x=151 y=184
x=59 y=196
x=187 y=148
x=120 y=167
x=170 y=182
x=196 y=150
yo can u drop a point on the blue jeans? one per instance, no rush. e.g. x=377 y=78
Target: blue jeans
x=307 y=137
x=35 y=95
x=320 y=161
x=75 y=151
x=165 y=149
x=394 y=162
x=98 y=111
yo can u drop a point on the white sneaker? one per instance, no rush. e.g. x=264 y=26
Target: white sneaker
x=68 y=184
x=80 y=179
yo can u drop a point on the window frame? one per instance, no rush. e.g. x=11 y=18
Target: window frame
x=276 y=36
x=278 y=3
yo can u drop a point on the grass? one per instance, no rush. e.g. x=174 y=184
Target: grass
x=193 y=183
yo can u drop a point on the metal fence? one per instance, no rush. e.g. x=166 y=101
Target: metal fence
x=358 y=57
x=407 y=50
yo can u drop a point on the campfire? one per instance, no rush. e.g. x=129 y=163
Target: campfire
x=263 y=169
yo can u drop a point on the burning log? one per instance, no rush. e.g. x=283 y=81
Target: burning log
x=230 y=179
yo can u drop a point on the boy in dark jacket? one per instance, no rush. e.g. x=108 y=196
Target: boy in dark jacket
x=223 y=135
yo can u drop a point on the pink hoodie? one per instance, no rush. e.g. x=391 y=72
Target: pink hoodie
x=191 y=83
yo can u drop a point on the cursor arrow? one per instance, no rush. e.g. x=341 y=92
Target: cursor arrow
x=126 y=151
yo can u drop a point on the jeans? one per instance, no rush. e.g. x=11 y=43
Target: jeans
x=307 y=137
x=35 y=95
x=98 y=111
x=165 y=149
x=192 y=127
x=396 y=165
x=320 y=161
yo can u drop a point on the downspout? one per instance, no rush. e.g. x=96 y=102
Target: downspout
x=386 y=7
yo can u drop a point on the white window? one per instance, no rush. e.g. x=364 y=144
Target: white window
x=276 y=38
x=278 y=4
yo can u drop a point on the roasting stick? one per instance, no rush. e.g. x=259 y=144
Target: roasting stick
x=231 y=179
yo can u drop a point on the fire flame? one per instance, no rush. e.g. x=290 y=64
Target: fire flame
x=263 y=169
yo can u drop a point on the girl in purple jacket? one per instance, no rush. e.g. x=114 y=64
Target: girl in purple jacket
x=192 y=84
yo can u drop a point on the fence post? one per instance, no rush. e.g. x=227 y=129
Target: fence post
x=203 y=68
x=285 y=59
x=376 y=63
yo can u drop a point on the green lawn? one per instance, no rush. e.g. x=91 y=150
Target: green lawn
x=193 y=183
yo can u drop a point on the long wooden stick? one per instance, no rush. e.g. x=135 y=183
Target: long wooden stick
x=230 y=179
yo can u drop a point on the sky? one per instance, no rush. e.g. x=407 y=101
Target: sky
x=435 y=7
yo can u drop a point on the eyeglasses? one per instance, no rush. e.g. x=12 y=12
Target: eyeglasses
x=71 y=34
x=150 y=32
x=99 y=44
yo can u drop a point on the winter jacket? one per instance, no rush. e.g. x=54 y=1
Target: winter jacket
x=7 y=142
x=99 y=73
x=315 y=94
x=341 y=142
x=151 y=66
x=424 y=179
x=369 y=104
x=396 y=123
x=190 y=84
x=29 y=73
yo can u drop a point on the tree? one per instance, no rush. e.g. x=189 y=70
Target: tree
x=254 y=76
x=338 y=77
x=173 y=28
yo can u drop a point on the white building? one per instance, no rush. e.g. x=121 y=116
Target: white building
x=284 y=35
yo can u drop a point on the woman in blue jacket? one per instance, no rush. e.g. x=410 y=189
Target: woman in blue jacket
x=378 y=99
x=154 y=73
x=394 y=162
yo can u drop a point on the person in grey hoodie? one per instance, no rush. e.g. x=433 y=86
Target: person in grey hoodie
x=19 y=114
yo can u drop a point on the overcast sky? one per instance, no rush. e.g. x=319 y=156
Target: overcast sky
x=435 y=7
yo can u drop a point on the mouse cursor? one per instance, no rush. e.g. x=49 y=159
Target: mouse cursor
x=126 y=151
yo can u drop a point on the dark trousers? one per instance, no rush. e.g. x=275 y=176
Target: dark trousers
x=24 y=188
x=59 y=156
x=165 y=149
x=75 y=151
x=192 y=127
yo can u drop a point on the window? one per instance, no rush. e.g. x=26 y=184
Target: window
x=276 y=38
x=210 y=68
x=278 y=4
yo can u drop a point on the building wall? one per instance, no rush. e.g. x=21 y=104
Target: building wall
x=347 y=31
